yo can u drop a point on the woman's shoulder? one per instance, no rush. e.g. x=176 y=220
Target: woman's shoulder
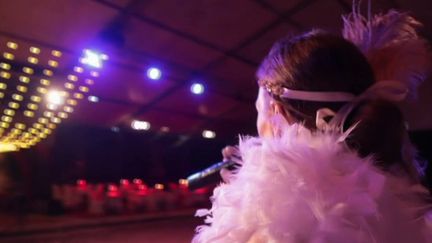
x=304 y=186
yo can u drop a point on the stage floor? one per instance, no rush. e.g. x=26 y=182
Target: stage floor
x=175 y=230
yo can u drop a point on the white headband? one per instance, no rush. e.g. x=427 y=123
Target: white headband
x=388 y=90
x=317 y=96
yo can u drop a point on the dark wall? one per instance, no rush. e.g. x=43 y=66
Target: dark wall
x=101 y=155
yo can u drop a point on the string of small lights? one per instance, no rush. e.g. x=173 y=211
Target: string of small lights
x=37 y=93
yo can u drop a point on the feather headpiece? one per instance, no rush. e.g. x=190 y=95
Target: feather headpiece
x=392 y=46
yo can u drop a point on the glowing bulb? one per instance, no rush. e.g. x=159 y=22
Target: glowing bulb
x=28 y=70
x=5 y=75
x=13 y=105
x=6 y=118
x=72 y=77
x=43 y=120
x=24 y=79
x=47 y=72
x=68 y=109
x=154 y=73
x=17 y=97
x=34 y=50
x=208 y=134
x=56 y=53
x=93 y=98
x=62 y=115
x=55 y=120
x=197 y=88
x=15 y=131
x=20 y=126
x=94 y=74
x=53 y=63
x=24 y=146
x=5 y=66
x=22 y=88
x=9 y=112
x=3 y=86
x=78 y=96
x=29 y=113
x=69 y=86
x=8 y=56
x=48 y=114
x=78 y=69
x=89 y=81
x=42 y=90
x=140 y=125
x=35 y=98
x=32 y=106
x=45 y=82
x=55 y=97
x=12 y=45
x=33 y=60
x=84 y=89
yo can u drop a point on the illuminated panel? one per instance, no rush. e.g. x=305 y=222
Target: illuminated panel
x=41 y=111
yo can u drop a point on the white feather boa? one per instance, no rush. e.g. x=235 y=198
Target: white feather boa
x=308 y=187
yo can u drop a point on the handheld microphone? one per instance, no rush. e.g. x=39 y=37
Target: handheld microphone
x=209 y=175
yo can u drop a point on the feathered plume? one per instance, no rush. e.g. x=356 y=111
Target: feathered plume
x=392 y=46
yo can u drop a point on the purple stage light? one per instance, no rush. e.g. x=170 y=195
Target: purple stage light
x=93 y=98
x=93 y=58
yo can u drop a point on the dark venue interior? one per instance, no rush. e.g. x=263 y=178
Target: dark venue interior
x=119 y=121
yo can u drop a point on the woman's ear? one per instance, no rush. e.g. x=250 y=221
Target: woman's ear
x=278 y=109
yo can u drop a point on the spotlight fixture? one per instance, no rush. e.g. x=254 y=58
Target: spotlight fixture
x=93 y=58
x=93 y=99
x=140 y=125
x=197 y=88
x=208 y=134
x=154 y=73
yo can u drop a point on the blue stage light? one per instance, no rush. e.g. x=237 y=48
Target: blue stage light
x=93 y=58
x=154 y=73
x=197 y=88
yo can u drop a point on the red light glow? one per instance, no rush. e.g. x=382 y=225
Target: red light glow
x=81 y=183
x=124 y=182
x=113 y=191
x=137 y=181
